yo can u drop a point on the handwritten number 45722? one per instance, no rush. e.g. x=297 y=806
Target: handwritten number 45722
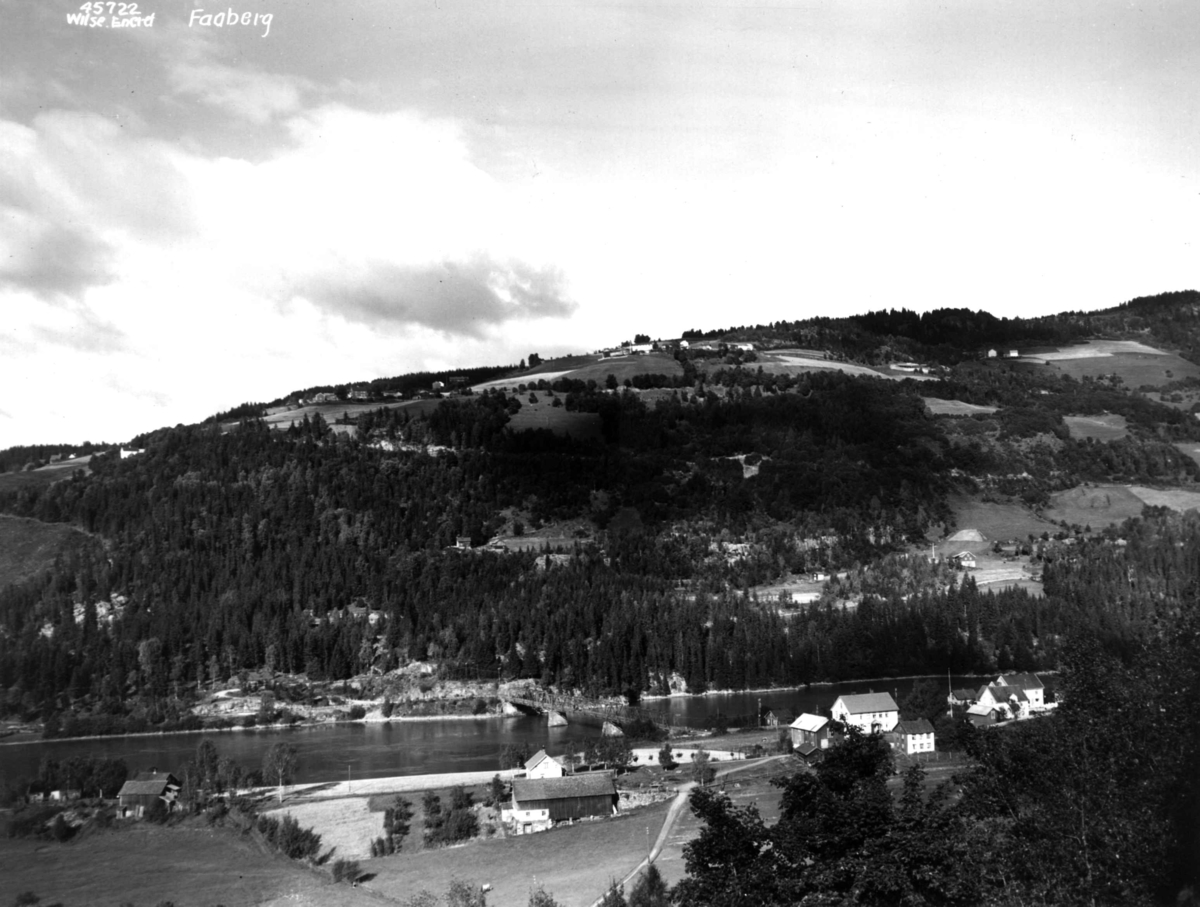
x=117 y=9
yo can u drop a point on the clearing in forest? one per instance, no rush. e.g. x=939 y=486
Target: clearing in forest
x=1105 y=427
x=1094 y=505
x=939 y=407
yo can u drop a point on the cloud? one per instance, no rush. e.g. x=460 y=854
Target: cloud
x=201 y=66
x=72 y=187
x=50 y=259
x=244 y=92
x=86 y=333
x=452 y=297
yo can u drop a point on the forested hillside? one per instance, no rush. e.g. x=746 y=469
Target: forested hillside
x=232 y=549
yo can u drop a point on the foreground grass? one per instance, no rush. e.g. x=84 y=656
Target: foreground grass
x=574 y=863
x=192 y=866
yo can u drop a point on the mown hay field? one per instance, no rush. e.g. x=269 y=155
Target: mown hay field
x=1094 y=505
x=1175 y=498
x=573 y=863
x=940 y=407
x=1105 y=427
x=1135 y=363
x=998 y=521
x=347 y=826
x=627 y=367
x=283 y=417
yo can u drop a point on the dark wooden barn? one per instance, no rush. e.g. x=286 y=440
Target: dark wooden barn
x=573 y=797
x=139 y=794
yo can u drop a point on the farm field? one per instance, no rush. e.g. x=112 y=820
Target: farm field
x=1106 y=427
x=192 y=865
x=955 y=407
x=575 y=863
x=997 y=522
x=46 y=475
x=1094 y=505
x=557 y=419
x=995 y=574
x=347 y=825
x=1174 y=498
x=1136 y=363
x=1191 y=448
x=629 y=366
x=797 y=362
x=28 y=546
x=560 y=366
x=281 y=417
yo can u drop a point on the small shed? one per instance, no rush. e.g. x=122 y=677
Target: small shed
x=778 y=717
x=810 y=730
x=566 y=799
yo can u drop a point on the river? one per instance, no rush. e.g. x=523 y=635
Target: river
x=384 y=749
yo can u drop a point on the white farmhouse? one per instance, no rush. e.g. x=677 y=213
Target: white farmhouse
x=867 y=711
x=540 y=765
x=914 y=736
x=1029 y=684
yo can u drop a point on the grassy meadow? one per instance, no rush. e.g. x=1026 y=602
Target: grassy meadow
x=998 y=521
x=1135 y=363
x=191 y=865
x=1106 y=427
x=1094 y=505
x=544 y=414
x=573 y=863
x=940 y=407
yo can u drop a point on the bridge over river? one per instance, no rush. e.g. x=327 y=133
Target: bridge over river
x=581 y=708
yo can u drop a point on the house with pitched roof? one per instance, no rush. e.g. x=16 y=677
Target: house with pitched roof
x=1009 y=702
x=541 y=765
x=139 y=794
x=810 y=736
x=867 y=711
x=914 y=736
x=778 y=717
x=963 y=696
x=538 y=803
x=1029 y=684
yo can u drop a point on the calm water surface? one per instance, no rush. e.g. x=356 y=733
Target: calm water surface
x=381 y=750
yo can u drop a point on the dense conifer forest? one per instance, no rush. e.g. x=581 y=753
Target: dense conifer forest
x=237 y=547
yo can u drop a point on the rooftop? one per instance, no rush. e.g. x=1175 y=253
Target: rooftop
x=600 y=784
x=869 y=702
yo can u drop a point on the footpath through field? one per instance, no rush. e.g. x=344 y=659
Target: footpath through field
x=676 y=808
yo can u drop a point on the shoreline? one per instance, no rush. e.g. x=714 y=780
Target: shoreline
x=4 y=741
x=667 y=697
x=378 y=719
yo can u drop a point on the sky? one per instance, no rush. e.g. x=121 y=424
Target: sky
x=195 y=213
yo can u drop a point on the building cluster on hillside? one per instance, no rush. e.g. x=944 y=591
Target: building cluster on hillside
x=1008 y=697
x=546 y=794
